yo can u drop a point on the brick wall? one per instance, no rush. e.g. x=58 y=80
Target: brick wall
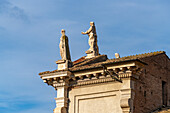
x=148 y=88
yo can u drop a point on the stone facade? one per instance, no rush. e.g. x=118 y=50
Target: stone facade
x=132 y=84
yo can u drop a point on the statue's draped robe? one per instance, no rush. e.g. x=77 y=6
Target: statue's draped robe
x=64 y=48
x=92 y=40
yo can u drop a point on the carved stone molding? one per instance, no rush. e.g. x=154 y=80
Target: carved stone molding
x=95 y=79
x=125 y=100
x=88 y=82
x=60 y=110
x=58 y=79
x=63 y=79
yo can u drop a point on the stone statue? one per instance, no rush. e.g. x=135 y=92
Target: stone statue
x=93 y=50
x=64 y=47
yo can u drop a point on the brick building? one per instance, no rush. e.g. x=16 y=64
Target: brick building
x=132 y=84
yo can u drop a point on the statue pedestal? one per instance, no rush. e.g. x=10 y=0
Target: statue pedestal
x=64 y=64
x=91 y=54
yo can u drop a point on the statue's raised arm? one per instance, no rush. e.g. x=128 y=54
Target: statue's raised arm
x=93 y=50
x=92 y=29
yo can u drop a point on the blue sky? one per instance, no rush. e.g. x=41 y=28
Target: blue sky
x=30 y=32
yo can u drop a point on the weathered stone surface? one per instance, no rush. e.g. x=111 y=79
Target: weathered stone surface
x=65 y=61
x=132 y=84
x=103 y=98
x=93 y=50
x=64 y=47
x=64 y=64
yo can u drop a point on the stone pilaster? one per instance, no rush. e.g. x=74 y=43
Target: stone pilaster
x=59 y=81
x=61 y=100
x=127 y=96
x=126 y=102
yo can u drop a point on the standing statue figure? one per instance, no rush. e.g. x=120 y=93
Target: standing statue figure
x=64 y=46
x=92 y=40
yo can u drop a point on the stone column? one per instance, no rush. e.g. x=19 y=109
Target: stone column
x=61 y=100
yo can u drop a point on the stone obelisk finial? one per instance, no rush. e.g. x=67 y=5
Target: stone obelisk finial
x=65 y=61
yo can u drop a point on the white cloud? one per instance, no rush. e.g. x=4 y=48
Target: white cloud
x=12 y=11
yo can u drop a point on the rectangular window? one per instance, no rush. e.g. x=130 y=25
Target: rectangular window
x=164 y=93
